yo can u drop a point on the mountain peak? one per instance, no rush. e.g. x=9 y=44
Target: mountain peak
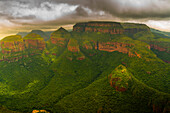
x=33 y=36
x=60 y=33
x=62 y=30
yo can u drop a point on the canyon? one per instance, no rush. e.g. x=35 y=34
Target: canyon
x=14 y=47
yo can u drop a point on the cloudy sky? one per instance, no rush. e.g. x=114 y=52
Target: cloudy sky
x=24 y=15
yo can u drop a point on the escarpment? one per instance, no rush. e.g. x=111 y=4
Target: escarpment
x=15 y=47
x=102 y=27
x=131 y=28
x=34 y=41
x=12 y=44
x=97 y=35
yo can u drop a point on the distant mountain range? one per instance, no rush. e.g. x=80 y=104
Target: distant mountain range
x=98 y=67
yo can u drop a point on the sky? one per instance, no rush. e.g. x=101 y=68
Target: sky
x=26 y=15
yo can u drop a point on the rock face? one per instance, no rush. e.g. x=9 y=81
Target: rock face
x=87 y=45
x=157 y=47
x=13 y=47
x=73 y=45
x=73 y=48
x=119 y=79
x=34 y=41
x=102 y=27
x=60 y=37
x=131 y=28
x=12 y=44
x=116 y=46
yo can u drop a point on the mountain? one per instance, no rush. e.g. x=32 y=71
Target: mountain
x=98 y=67
x=159 y=44
x=41 y=33
x=45 y=35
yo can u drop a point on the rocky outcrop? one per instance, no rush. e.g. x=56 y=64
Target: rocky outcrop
x=12 y=44
x=73 y=46
x=74 y=50
x=116 y=46
x=87 y=45
x=35 y=44
x=131 y=28
x=60 y=37
x=159 y=48
x=102 y=27
x=119 y=79
x=13 y=47
x=34 y=41
x=40 y=111
x=59 y=41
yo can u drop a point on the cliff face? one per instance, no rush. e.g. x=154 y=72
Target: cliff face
x=158 y=48
x=34 y=41
x=12 y=44
x=35 y=44
x=102 y=27
x=115 y=46
x=74 y=50
x=13 y=47
x=60 y=37
x=131 y=28
x=73 y=46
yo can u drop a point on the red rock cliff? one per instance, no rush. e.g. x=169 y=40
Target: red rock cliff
x=102 y=27
x=12 y=44
x=116 y=46
x=34 y=41
x=73 y=45
x=60 y=37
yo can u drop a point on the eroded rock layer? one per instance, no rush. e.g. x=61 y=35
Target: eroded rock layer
x=102 y=27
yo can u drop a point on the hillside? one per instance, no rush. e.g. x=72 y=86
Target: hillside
x=98 y=67
x=161 y=33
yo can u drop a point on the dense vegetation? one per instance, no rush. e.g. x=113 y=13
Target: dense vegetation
x=57 y=81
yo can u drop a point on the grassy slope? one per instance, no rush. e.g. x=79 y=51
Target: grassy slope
x=161 y=33
x=102 y=97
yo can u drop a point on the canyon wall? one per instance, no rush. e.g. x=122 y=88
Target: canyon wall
x=102 y=27
x=60 y=37
x=132 y=28
x=116 y=46
x=14 y=47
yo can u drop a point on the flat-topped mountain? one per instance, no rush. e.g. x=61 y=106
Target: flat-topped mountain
x=132 y=28
x=102 y=27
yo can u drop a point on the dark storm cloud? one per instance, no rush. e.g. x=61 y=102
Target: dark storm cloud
x=116 y=8
x=14 y=12
x=127 y=8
